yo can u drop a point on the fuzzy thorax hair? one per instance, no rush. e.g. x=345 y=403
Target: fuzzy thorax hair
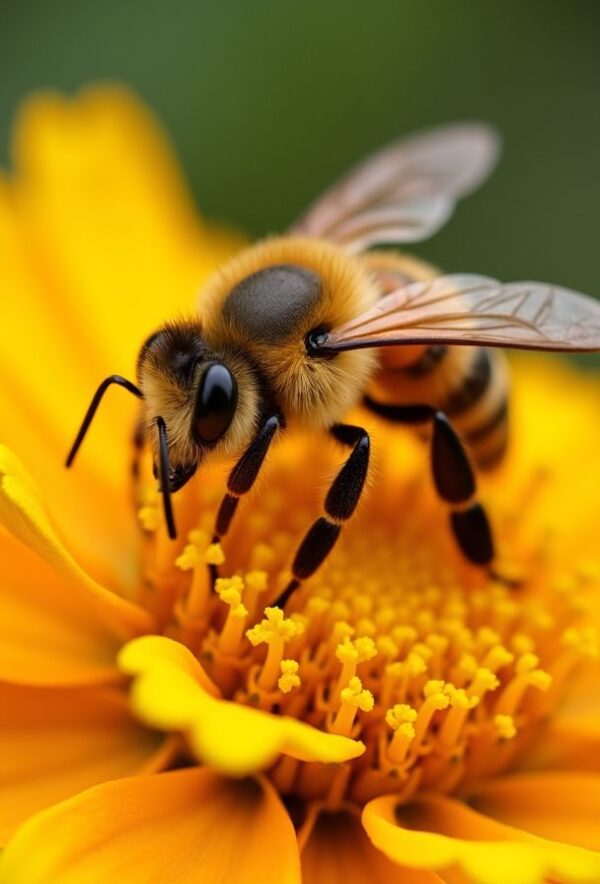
x=313 y=392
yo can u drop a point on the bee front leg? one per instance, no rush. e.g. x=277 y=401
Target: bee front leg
x=243 y=475
x=453 y=477
x=340 y=503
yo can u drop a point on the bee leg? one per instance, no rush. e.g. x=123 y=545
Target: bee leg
x=453 y=477
x=244 y=473
x=340 y=503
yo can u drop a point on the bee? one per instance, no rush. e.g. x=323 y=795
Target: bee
x=298 y=329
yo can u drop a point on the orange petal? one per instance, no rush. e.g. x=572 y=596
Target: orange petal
x=560 y=805
x=186 y=826
x=56 y=742
x=338 y=850
x=23 y=514
x=442 y=834
x=49 y=635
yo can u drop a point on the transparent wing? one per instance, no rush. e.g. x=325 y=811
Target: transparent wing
x=405 y=192
x=470 y=309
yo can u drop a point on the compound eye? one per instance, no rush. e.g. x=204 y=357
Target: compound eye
x=215 y=403
x=314 y=343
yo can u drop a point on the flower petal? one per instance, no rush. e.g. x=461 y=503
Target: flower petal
x=56 y=742
x=49 y=634
x=338 y=849
x=186 y=826
x=153 y=651
x=100 y=244
x=443 y=834
x=562 y=805
x=116 y=232
x=234 y=739
x=23 y=515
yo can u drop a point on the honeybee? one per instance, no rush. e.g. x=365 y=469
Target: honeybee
x=300 y=328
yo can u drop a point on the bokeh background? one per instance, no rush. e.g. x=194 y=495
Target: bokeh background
x=267 y=102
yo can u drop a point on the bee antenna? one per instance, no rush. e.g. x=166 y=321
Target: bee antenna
x=89 y=416
x=164 y=473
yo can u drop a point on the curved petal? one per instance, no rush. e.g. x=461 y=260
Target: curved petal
x=49 y=634
x=153 y=651
x=235 y=739
x=562 y=805
x=55 y=742
x=23 y=515
x=100 y=244
x=443 y=834
x=186 y=826
x=338 y=849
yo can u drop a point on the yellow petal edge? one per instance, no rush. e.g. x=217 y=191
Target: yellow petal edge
x=509 y=855
x=234 y=739
x=24 y=516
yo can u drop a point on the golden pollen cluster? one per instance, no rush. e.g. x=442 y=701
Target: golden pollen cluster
x=443 y=673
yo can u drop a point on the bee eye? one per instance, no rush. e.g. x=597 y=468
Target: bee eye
x=215 y=403
x=314 y=341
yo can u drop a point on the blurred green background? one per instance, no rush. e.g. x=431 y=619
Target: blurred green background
x=268 y=101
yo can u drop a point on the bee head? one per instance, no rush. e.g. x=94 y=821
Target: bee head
x=193 y=390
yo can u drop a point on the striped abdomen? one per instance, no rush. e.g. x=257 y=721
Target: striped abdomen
x=469 y=384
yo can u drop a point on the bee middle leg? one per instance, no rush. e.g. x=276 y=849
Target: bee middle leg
x=340 y=503
x=453 y=477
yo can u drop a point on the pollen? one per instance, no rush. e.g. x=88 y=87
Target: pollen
x=434 y=665
x=289 y=678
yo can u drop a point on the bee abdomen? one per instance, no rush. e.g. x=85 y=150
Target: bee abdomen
x=468 y=384
x=478 y=406
x=473 y=386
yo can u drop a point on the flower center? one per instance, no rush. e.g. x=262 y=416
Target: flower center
x=442 y=671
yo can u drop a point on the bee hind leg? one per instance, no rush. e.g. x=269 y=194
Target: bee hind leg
x=453 y=476
x=341 y=501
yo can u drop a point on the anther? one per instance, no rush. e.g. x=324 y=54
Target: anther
x=352 y=698
x=275 y=631
x=289 y=678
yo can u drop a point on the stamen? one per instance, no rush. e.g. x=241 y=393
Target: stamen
x=274 y=631
x=230 y=592
x=527 y=674
x=400 y=718
x=289 y=678
x=388 y=641
x=505 y=727
x=435 y=700
x=350 y=654
x=352 y=698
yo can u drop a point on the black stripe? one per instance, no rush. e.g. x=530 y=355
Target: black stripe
x=426 y=362
x=473 y=386
x=402 y=414
x=478 y=434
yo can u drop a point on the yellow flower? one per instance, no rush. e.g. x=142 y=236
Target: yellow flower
x=405 y=719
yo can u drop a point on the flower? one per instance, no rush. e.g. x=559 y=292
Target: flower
x=405 y=718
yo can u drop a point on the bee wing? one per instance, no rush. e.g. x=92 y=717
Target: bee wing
x=405 y=192
x=476 y=310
